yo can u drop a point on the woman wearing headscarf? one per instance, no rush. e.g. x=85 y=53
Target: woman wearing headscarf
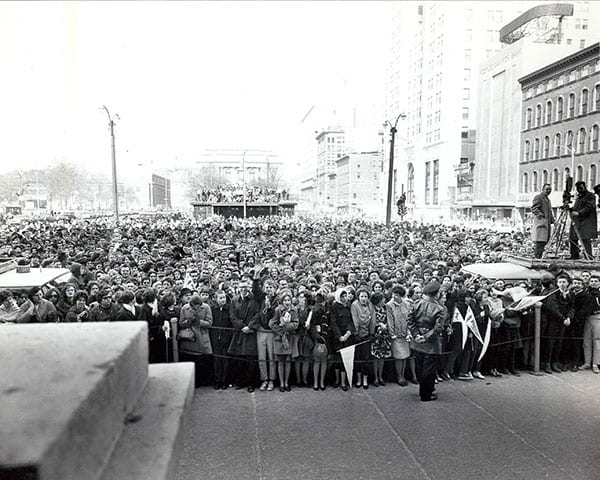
x=196 y=316
x=343 y=331
x=283 y=324
x=363 y=316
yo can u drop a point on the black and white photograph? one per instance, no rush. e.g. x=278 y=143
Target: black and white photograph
x=299 y=240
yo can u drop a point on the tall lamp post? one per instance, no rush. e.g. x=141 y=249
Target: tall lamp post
x=244 y=179
x=111 y=124
x=393 y=130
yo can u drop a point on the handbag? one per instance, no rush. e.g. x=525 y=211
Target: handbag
x=320 y=351
x=186 y=334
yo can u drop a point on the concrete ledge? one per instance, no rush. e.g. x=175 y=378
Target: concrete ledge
x=151 y=441
x=66 y=389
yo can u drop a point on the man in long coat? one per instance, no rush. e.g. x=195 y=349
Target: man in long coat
x=542 y=209
x=583 y=216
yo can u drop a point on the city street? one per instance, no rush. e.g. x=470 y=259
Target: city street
x=510 y=428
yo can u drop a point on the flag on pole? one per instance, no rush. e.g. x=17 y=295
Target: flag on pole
x=486 y=340
x=347 y=354
x=217 y=247
x=523 y=300
x=458 y=318
x=472 y=324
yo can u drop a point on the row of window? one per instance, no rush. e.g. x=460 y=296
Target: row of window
x=428 y=183
x=535 y=181
x=546 y=115
x=565 y=78
x=541 y=149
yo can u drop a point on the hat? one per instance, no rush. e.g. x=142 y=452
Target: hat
x=184 y=291
x=432 y=288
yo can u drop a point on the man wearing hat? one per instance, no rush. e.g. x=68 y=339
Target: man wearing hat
x=426 y=323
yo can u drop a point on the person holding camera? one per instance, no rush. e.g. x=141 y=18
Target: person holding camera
x=542 y=209
x=583 y=216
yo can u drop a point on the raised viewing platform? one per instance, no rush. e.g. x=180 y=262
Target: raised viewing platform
x=236 y=209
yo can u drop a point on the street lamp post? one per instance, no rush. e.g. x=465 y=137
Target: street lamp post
x=244 y=179
x=111 y=124
x=388 y=210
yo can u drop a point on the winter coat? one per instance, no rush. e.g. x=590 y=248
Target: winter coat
x=199 y=319
x=586 y=221
x=282 y=330
x=244 y=312
x=543 y=218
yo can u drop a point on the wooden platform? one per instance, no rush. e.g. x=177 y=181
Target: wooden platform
x=560 y=263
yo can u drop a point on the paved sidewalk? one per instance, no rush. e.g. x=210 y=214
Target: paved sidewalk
x=510 y=428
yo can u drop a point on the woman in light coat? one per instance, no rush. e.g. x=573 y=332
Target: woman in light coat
x=398 y=309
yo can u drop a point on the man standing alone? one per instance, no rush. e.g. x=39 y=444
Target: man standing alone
x=583 y=216
x=425 y=323
x=542 y=209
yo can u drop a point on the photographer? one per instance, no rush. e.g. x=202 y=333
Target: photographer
x=542 y=209
x=583 y=216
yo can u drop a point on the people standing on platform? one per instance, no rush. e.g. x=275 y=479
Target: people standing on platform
x=543 y=219
x=426 y=323
x=584 y=217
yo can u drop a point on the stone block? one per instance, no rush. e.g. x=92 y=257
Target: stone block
x=66 y=389
x=151 y=441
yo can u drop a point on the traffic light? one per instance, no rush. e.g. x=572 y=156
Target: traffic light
x=401 y=204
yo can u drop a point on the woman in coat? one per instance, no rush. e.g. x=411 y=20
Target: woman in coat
x=343 y=331
x=301 y=341
x=320 y=333
x=397 y=310
x=283 y=324
x=66 y=301
x=196 y=316
x=381 y=347
x=363 y=316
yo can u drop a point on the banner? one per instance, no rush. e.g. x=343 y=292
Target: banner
x=472 y=324
x=347 y=354
x=458 y=318
x=527 y=301
x=216 y=247
x=486 y=340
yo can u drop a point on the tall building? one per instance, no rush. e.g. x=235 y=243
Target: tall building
x=330 y=147
x=436 y=51
x=537 y=38
x=560 y=125
x=357 y=178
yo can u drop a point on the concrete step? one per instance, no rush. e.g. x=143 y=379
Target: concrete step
x=65 y=391
x=150 y=444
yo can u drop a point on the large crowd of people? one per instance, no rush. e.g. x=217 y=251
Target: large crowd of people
x=235 y=193
x=268 y=302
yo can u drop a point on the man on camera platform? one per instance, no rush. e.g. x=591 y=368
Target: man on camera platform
x=542 y=209
x=583 y=216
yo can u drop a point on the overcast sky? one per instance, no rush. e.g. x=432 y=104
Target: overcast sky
x=183 y=77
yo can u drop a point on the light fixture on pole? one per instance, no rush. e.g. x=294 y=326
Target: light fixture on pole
x=393 y=130
x=111 y=124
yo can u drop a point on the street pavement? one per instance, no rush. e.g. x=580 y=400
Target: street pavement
x=529 y=427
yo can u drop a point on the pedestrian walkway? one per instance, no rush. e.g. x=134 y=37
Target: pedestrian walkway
x=509 y=428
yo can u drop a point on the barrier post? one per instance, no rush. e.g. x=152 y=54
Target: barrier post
x=536 y=340
x=174 y=339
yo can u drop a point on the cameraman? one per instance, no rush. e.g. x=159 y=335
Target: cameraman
x=583 y=216
x=542 y=209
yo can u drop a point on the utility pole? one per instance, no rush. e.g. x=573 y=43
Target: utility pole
x=111 y=124
x=244 y=179
x=388 y=210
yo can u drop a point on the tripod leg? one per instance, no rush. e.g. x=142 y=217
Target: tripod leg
x=585 y=254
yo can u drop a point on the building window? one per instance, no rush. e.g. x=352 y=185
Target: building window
x=569 y=140
x=594 y=139
x=527 y=150
x=536 y=149
x=566 y=174
x=581 y=137
x=538 y=115
x=544 y=177
x=528 y=116
x=579 y=173
x=410 y=186
x=546 y=146
x=557 y=145
x=436 y=180
x=555 y=179
x=427 y=181
x=584 y=102
x=592 y=175
x=571 y=105
x=525 y=183
x=548 y=112
x=535 y=181
x=465 y=113
x=467 y=74
x=466 y=93
x=597 y=97
x=559 y=108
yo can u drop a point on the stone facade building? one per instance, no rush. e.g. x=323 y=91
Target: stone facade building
x=560 y=125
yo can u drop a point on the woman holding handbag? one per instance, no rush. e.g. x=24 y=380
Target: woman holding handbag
x=194 y=340
x=321 y=336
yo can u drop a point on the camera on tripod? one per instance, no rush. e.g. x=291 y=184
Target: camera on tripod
x=567 y=196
